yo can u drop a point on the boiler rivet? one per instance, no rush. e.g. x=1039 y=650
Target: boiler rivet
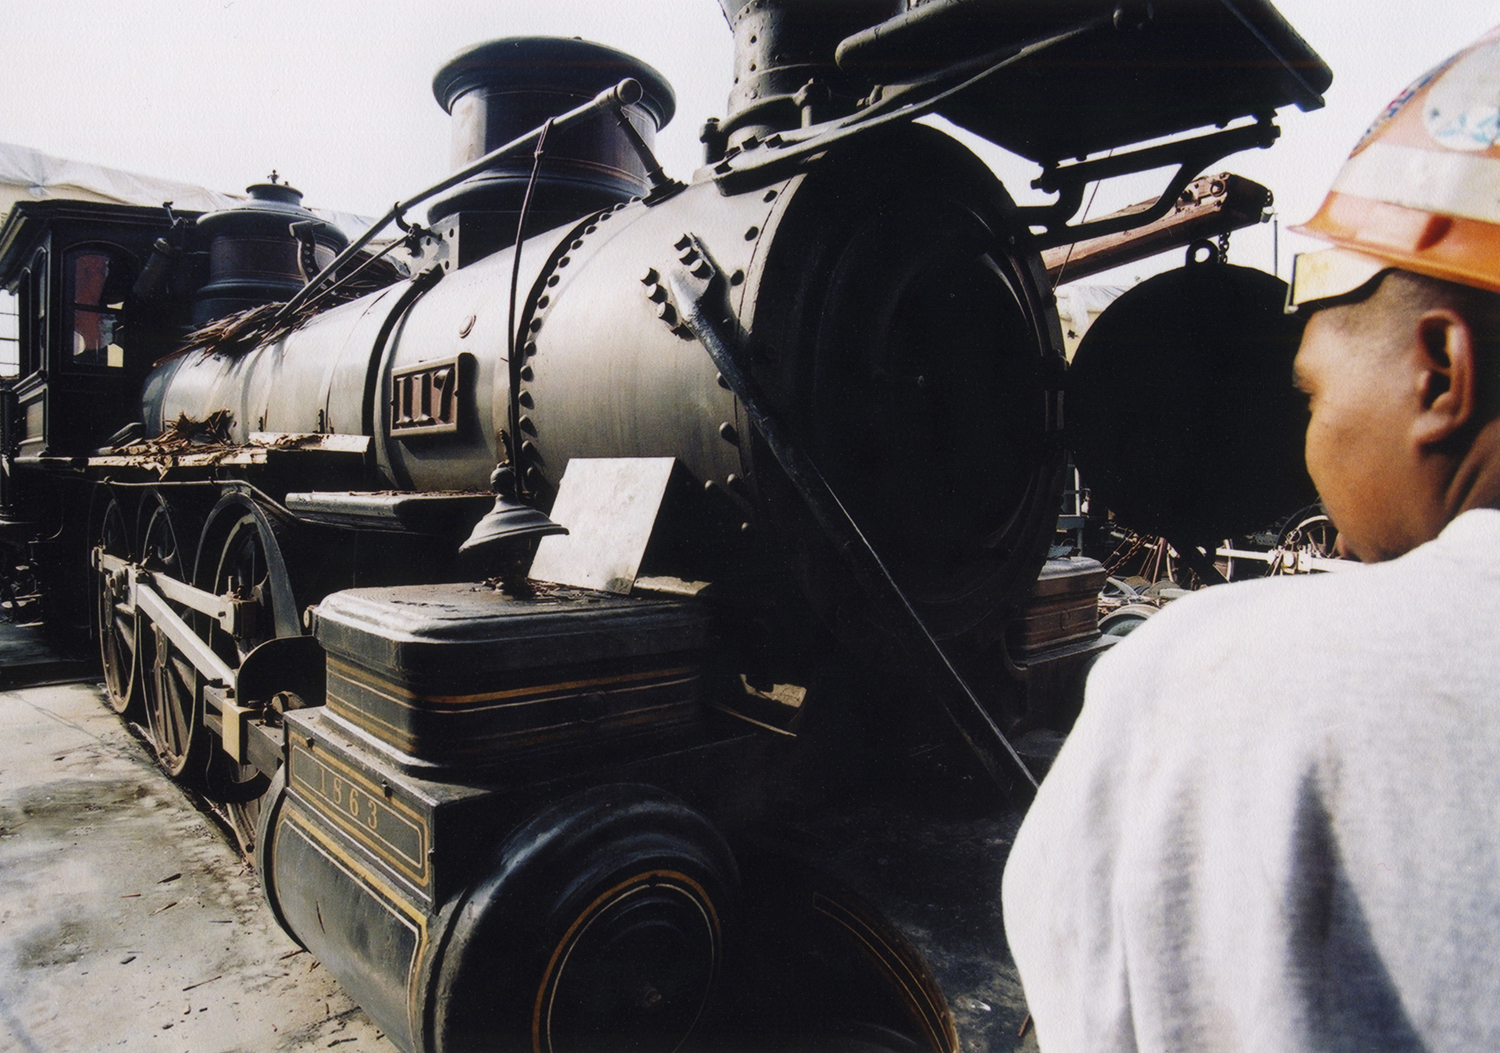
x=728 y=434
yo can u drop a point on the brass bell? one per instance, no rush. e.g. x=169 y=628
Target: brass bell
x=510 y=520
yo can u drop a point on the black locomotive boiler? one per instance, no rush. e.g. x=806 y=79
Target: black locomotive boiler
x=563 y=597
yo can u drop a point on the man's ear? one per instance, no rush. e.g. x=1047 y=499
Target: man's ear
x=1446 y=375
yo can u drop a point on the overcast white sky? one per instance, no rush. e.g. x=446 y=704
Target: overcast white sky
x=336 y=94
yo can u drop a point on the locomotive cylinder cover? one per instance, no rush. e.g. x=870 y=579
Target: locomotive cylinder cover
x=253 y=255
x=500 y=90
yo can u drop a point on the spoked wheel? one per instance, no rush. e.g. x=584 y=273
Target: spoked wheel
x=1314 y=534
x=1319 y=535
x=117 y=620
x=170 y=684
x=246 y=563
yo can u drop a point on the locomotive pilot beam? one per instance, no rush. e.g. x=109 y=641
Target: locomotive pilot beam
x=802 y=418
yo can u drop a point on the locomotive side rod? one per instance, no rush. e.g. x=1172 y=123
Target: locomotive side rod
x=693 y=281
x=625 y=93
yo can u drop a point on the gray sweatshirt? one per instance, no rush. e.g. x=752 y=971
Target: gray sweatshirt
x=1274 y=827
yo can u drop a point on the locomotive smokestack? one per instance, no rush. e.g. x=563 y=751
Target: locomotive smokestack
x=501 y=90
x=782 y=47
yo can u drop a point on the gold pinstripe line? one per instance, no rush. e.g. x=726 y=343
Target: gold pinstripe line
x=403 y=739
x=397 y=906
x=395 y=693
x=914 y=991
x=417 y=869
x=690 y=676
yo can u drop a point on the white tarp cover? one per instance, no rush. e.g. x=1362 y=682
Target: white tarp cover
x=30 y=175
x=1078 y=306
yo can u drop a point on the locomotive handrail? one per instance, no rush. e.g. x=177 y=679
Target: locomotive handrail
x=625 y=93
x=691 y=282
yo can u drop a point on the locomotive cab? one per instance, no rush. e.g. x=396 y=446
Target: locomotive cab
x=85 y=339
x=85 y=342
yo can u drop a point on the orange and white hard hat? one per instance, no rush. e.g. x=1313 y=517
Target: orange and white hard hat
x=1421 y=191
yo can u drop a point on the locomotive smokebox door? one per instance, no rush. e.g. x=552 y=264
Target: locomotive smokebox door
x=1181 y=413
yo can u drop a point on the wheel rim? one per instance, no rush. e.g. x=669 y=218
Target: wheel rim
x=1320 y=536
x=245 y=571
x=169 y=682
x=636 y=966
x=117 y=620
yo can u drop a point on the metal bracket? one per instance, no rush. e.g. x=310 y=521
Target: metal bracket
x=697 y=287
x=234 y=720
x=1191 y=156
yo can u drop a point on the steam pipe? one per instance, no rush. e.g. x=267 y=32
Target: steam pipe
x=625 y=93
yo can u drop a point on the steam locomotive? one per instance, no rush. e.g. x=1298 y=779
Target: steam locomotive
x=585 y=602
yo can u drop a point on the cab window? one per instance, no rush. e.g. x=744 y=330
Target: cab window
x=10 y=335
x=95 y=283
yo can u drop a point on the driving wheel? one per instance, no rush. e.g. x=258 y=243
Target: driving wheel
x=170 y=685
x=247 y=565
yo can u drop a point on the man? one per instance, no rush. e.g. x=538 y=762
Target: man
x=1276 y=825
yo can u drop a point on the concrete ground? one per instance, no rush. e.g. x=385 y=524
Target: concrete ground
x=127 y=920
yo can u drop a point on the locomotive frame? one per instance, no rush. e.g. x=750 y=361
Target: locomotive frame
x=514 y=815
